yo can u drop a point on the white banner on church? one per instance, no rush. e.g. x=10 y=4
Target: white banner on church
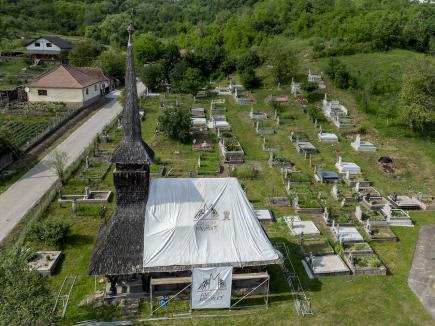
x=211 y=287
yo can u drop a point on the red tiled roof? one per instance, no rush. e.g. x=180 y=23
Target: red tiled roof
x=68 y=77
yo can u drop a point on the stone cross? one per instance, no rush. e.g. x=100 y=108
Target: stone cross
x=326 y=215
x=358 y=212
x=358 y=140
x=87 y=192
x=334 y=191
x=296 y=201
x=74 y=207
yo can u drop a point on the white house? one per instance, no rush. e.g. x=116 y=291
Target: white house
x=47 y=48
x=76 y=87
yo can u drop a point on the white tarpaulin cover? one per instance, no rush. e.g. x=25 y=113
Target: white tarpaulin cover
x=202 y=222
x=211 y=287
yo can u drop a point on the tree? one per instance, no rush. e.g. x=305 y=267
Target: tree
x=57 y=162
x=25 y=297
x=417 y=97
x=175 y=123
x=112 y=61
x=153 y=76
x=248 y=61
x=147 y=48
x=83 y=54
x=285 y=66
x=249 y=78
x=192 y=81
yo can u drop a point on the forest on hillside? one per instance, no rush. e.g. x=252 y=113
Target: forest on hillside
x=226 y=36
x=342 y=26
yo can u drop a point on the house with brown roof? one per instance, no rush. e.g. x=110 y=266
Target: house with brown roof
x=75 y=86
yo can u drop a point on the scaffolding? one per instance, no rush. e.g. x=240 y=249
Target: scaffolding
x=302 y=302
x=188 y=281
x=59 y=309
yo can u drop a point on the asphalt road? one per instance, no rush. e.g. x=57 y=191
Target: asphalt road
x=25 y=193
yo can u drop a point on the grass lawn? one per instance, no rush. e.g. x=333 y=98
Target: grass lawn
x=345 y=300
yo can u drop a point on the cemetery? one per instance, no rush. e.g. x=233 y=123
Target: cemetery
x=295 y=88
x=345 y=234
x=276 y=160
x=231 y=149
x=298 y=227
x=326 y=137
x=323 y=176
x=396 y=216
x=45 y=262
x=279 y=99
x=325 y=265
x=357 y=248
x=345 y=167
x=343 y=195
x=427 y=202
x=316 y=246
x=88 y=197
x=379 y=231
x=375 y=203
x=264 y=128
x=264 y=215
x=197 y=112
x=314 y=78
x=96 y=168
x=351 y=180
x=362 y=146
x=364 y=263
x=202 y=141
x=403 y=202
x=257 y=115
x=219 y=122
x=306 y=202
x=245 y=98
x=337 y=113
x=208 y=164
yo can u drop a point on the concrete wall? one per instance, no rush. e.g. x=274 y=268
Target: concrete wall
x=93 y=91
x=67 y=95
x=43 y=46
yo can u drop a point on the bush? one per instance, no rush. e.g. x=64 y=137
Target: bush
x=175 y=123
x=51 y=232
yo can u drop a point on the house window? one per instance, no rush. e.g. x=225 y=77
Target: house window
x=48 y=45
x=42 y=92
x=95 y=87
x=37 y=44
x=87 y=91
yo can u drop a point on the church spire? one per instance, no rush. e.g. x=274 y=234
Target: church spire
x=132 y=149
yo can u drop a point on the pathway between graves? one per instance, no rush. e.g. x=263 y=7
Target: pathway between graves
x=422 y=275
x=29 y=189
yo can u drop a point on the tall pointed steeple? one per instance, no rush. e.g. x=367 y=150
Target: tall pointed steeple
x=132 y=149
x=133 y=156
